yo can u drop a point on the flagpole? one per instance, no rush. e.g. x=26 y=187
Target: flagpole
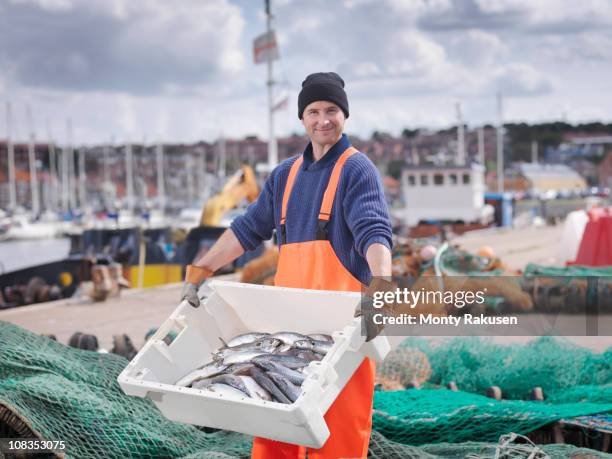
x=272 y=146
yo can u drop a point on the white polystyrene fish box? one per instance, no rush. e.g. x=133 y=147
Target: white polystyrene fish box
x=229 y=309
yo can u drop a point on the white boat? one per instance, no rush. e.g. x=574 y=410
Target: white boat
x=444 y=194
x=20 y=226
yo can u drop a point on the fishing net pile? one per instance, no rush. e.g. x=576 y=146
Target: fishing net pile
x=567 y=373
x=55 y=392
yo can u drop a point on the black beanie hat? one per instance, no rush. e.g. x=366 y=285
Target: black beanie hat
x=323 y=86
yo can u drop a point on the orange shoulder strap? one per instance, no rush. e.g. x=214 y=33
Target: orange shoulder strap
x=289 y=186
x=330 y=191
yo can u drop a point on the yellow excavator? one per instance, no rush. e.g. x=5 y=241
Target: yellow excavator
x=242 y=185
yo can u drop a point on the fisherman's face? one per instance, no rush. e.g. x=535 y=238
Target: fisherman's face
x=324 y=122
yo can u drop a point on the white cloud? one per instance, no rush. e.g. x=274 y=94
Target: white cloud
x=136 y=46
x=522 y=80
x=182 y=71
x=50 y=5
x=477 y=48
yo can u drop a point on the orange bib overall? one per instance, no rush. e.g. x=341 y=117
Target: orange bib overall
x=314 y=265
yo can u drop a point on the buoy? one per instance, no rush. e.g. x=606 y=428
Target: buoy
x=428 y=252
x=485 y=251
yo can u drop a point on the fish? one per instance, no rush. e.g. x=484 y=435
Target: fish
x=230 y=380
x=225 y=390
x=288 y=361
x=264 y=381
x=322 y=347
x=321 y=337
x=207 y=371
x=244 y=339
x=264 y=344
x=243 y=357
x=291 y=391
x=303 y=354
x=289 y=337
x=239 y=369
x=270 y=366
x=255 y=390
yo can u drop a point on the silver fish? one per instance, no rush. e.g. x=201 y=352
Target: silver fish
x=230 y=380
x=264 y=381
x=321 y=337
x=264 y=344
x=270 y=366
x=243 y=339
x=289 y=389
x=225 y=390
x=288 y=361
x=304 y=354
x=242 y=357
x=255 y=390
x=321 y=347
x=239 y=369
x=207 y=371
x=289 y=337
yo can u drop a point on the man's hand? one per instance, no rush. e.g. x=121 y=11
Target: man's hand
x=366 y=309
x=194 y=278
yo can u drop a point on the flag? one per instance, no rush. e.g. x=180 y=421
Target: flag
x=281 y=104
x=265 y=47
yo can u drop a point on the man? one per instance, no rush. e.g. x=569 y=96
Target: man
x=327 y=206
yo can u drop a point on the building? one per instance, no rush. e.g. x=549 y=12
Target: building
x=605 y=172
x=538 y=179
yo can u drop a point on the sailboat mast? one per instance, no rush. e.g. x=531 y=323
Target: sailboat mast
x=82 y=179
x=161 y=191
x=129 y=176
x=65 y=173
x=72 y=191
x=11 y=158
x=500 y=145
x=32 y=164
x=52 y=169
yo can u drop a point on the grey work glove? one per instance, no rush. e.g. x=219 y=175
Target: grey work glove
x=367 y=311
x=194 y=278
x=190 y=293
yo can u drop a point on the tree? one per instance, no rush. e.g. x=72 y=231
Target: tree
x=395 y=167
x=410 y=133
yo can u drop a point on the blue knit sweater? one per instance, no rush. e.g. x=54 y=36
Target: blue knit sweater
x=359 y=214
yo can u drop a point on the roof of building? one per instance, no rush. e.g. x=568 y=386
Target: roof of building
x=551 y=176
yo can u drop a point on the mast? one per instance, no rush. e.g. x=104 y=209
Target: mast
x=534 y=151
x=82 y=179
x=272 y=146
x=32 y=164
x=481 y=152
x=11 y=158
x=106 y=165
x=189 y=167
x=161 y=191
x=201 y=173
x=460 y=136
x=52 y=169
x=222 y=153
x=500 y=145
x=129 y=179
x=65 y=173
x=71 y=186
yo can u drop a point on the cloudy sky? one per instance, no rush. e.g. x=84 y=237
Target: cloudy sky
x=183 y=70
